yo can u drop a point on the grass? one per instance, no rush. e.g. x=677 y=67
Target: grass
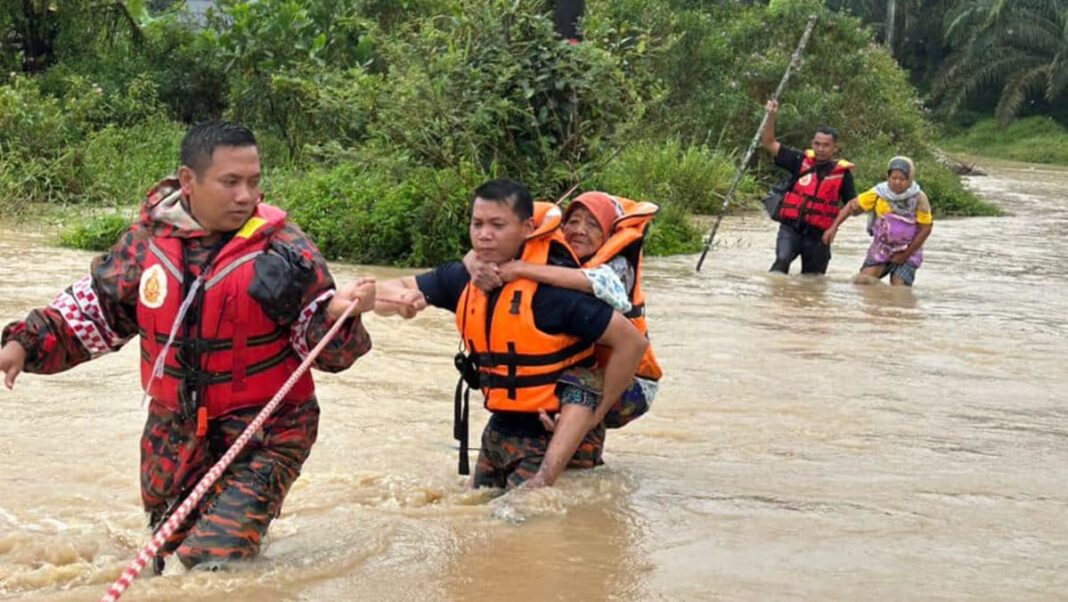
x=1032 y=140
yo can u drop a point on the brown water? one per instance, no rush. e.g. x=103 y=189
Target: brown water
x=812 y=439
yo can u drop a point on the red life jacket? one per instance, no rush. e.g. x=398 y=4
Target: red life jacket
x=241 y=356
x=814 y=200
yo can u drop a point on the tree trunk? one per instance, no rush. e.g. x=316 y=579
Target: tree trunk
x=891 y=14
x=38 y=35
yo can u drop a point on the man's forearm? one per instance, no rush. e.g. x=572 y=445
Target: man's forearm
x=767 y=138
x=575 y=421
x=572 y=424
x=618 y=376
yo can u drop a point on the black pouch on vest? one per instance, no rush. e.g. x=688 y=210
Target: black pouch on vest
x=280 y=277
x=772 y=201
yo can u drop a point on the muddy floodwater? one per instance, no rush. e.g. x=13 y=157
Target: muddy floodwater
x=812 y=440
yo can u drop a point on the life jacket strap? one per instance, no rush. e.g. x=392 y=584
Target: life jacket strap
x=200 y=378
x=461 y=415
x=490 y=360
x=511 y=382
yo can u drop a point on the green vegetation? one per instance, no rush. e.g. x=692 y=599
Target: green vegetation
x=376 y=119
x=96 y=233
x=1019 y=46
x=1033 y=139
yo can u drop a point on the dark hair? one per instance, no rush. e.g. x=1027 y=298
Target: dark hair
x=505 y=190
x=826 y=129
x=202 y=139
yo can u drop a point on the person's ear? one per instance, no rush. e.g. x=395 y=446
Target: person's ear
x=186 y=176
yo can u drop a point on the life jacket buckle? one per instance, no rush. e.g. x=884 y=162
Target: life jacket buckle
x=467 y=366
x=196 y=346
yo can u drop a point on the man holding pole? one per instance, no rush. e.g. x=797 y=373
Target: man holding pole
x=227 y=297
x=764 y=130
x=822 y=185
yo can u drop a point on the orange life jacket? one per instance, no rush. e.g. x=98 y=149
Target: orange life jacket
x=628 y=234
x=237 y=357
x=518 y=364
x=813 y=200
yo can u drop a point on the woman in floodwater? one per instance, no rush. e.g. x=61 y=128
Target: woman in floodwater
x=901 y=224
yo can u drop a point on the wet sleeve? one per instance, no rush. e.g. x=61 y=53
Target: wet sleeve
x=95 y=315
x=443 y=285
x=866 y=200
x=790 y=159
x=352 y=340
x=923 y=210
x=848 y=189
x=611 y=282
x=562 y=311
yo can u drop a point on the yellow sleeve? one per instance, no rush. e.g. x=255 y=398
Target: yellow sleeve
x=923 y=211
x=867 y=200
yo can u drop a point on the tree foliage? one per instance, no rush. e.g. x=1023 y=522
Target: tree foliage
x=376 y=119
x=1019 y=47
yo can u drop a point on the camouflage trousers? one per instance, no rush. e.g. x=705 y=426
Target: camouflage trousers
x=230 y=521
x=510 y=456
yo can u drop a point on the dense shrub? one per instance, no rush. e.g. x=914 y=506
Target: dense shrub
x=52 y=152
x=97 y=233
x=376 y=119
x=493 y=85
x=692 y=178
x=416 y=216
x=289 y=62
x=125 y=162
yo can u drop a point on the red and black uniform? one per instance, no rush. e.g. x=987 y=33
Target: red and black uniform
x=229 y=354
x=819 y=192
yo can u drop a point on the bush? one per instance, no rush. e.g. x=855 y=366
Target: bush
x=492 y=85
x=51 y=151
x=98 y=233
x=672 y=233
x=371 y=216
x=283 y=57
x=125 y=162
x=349 y=213
x=185 y=64
x=692 y=178
x=33 y=124
x=724 y=60
x=39 y=159
x=681 y=179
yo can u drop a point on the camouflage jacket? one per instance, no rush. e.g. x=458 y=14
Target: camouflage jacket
x=103 y=304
